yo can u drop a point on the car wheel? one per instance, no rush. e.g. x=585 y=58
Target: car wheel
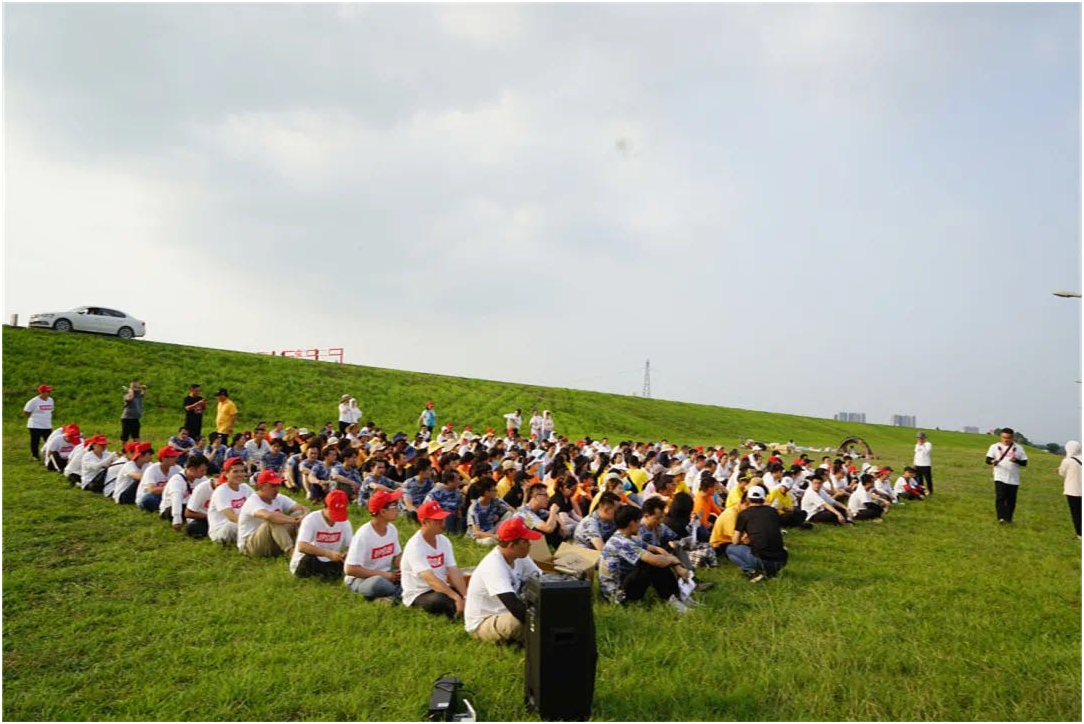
x=125 y=333
x=62 y=325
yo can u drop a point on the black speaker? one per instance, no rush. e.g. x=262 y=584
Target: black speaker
x=559 y=676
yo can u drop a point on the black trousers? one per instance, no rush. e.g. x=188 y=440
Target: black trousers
x=342 y=427
x=55 y=463
x=1074 y=510
x=435 y=602
x=646 y=575
x=924 y=473
x=129 y=429
x=194 y=425
x=128 y=496
x=38 y=435
x=794 y=517
x=1005 y=500
x=312 y=567
x=98 y=483
x=194 y=528
x=869 y=512
x=824 y=516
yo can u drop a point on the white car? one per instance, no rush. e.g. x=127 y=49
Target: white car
x=101 y=320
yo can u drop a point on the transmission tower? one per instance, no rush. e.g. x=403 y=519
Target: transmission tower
x=647 y=379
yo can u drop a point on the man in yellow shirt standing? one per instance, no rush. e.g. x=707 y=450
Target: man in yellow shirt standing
x=226 y=413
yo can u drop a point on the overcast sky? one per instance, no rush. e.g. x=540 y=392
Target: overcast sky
x=804 y=209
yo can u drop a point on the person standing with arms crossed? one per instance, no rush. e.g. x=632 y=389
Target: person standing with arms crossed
x=1007 y=457
x=39 y=418
x=194 y=405
x=922 y=463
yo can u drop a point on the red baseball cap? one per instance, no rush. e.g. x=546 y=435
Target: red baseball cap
x=514 y=529
x=381 y=498
x=44 y=388
x=269 y=477
x=431 y=510
x=489 y=430
x=143 y=447
x=429 y=404
x=168 y=452
x=71 y=432
x=98 y=440
x=336 y=503
x=130 y=446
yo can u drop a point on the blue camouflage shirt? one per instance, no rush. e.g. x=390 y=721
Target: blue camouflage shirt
x=658 y=537
x=619 y=557
x=593 y=527
x=417 y=489
x=274 y=461
x=449 y=499
x=484 y=518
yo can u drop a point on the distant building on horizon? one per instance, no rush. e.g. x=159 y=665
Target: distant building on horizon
x=904 y=421
x=972 y=430
x=849 y=417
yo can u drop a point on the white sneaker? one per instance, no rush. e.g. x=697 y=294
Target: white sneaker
x=677 y=605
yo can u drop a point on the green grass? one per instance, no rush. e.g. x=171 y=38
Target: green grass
x=109 y=614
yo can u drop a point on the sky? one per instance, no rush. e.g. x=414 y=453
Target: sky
x=793 y=208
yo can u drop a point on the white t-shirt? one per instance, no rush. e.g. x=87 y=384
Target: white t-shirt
x=256 y=452
x=153 y=476
x=247 y=523
x=60 y=445
x=200 y=500
x=492 y=577
x=176 y=496
x=373 y=551
x=901 y=485
x=881 y=485
x=812 y=503
x=125 y=479
x=41 y=413
x=92 y=464
x=315 y=530
x=858 y=500
x=75 y=461
x=419 y=556
x=922 y=454
x=1070 y=470
x=226 y=498
x=1007 y=471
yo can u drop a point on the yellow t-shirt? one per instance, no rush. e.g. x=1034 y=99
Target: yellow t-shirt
x=723 y=530
x=734 y=496
x=225 y=417
x=780 y=499
x=638 y=477
x=503 y=486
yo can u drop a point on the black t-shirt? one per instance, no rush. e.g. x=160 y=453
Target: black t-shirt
x=564 y=505
x=514 y=496
x=761 y=523
x=192 y=418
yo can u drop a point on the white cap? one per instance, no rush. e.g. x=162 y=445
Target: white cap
x=755 y=493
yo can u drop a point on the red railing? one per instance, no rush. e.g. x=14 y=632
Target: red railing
x=328 y=354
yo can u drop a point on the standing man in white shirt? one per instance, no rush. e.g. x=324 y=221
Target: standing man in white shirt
x=1007 y=457
x=39 y=418
x=494 y=611
x=512 y=422
x=922 y=463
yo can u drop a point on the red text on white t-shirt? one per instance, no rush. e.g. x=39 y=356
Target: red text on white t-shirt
x=328 y=536
x=384 y=551
x=435 y=561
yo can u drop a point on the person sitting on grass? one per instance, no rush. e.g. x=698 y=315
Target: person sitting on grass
x=153 y=481
x=58 y=448
x=372 y=563
x=276 y=459
x=124 y=489
x=215 y=452
x=320 y=474
x=73 y=471
x=322 y=539
x=416 y=488
x=907 y=487
x=594 y=530
x=882 y=485
x=722 y=533
x=494 y=611
x=431 y=580
x=533 y=510
x=486 y=513
x=227 y=500
x=705 y=508
x=653 y=529
x=448 y=495
x=782 y=501
x=237 y=448
x=757 y=542
x=179 y=489
x=375 y=480
x=96 y=460
x=268 y=519
x=862 y=505
x=627 y=568
x=816 y=507
x=198 y=506
x=257 y=448
x=345 y=475
x=737 y=491
x=184 y=444
x=568 y=513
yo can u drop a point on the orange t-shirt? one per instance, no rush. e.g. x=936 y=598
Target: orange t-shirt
x=705 y=506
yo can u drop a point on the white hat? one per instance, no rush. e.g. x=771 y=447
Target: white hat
x=755 y=493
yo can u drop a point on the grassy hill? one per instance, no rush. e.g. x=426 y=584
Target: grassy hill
x=109 y=614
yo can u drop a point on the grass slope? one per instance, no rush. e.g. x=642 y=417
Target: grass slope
x=109 y=614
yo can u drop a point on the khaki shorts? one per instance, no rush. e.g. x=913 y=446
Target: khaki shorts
x=495 y=629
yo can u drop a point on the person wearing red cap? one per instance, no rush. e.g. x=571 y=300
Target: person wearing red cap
x=268 y=519
x=179 y=490
x=154 y=479
x=431 y=580
x=39 y=418
x=95 y=461
x=226 y=501
x=58 y=448
x=124 y=488
x=322 y=538
x=493 y=610
x=197 y=510
x=372 y=563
